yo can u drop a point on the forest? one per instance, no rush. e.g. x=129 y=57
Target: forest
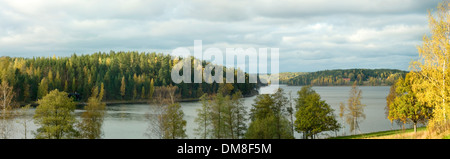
x=124 y=75
x=340 y=77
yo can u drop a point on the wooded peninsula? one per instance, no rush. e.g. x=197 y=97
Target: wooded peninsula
x=343 y=77
x=125 y=76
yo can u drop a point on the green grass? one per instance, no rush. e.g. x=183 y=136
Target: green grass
x=446 y=137
x=380 y=133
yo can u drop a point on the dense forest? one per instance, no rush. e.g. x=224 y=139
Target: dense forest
x=124 y=76
x=371 y=77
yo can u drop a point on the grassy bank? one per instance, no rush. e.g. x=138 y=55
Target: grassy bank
x=422 y=133
x=381 y=134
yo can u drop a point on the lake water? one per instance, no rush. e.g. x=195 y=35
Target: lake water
x=129 y=121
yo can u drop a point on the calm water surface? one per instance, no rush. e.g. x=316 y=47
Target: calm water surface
x=129 y=121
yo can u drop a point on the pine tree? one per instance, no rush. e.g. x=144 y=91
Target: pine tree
x=43 y=88
x=151 y=89
x=143 y=92
x=101 y=95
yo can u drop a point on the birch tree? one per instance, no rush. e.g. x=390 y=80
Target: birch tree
x=6 y=106
x=354 y=111
x=166 y=117
x=433 y=65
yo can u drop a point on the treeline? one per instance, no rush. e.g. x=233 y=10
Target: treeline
x=223 y=116
x=371 y=77
x=125 y=75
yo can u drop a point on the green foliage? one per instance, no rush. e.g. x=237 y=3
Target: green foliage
x=174 y=126
x=218 y=114
x=91 y=123
x=313 y=115
x=286 y=76
x=390 y=100
x=406 y=107
x=225 y=88
x=43 y=88
x=239 y=116
x=373 y=77
x=55 y=116
x=120 y=72
x=221 y=117
x=151 y=90
x=265 y=128
x=268 y=118
x=203 y=118
x=261 y=128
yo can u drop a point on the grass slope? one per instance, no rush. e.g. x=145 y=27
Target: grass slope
x=380 y=134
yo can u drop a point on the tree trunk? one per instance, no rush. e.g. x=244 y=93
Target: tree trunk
x=354 y=125
x=442 y=91
x=415 y=127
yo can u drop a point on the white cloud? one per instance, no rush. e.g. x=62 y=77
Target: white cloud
x=397 y=33
x=310 y=34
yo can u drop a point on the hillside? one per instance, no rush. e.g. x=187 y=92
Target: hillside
x=125 y=76
x=339 y=77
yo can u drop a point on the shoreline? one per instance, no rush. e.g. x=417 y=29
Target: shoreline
x=121 y=102
x=111 y=103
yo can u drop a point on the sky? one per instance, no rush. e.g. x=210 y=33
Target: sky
x=311 y=35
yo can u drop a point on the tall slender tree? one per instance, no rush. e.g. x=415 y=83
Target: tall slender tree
x=25 y=119
x=239 y=116
x=91 y=123
x=203 y=118
x=151 y=89
x=123 y=87
x=164 y=118
x=43 y=88
x=433 y=65
x=7 y=108
x=354 y=112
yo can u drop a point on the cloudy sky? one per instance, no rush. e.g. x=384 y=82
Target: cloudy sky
x=311 y=35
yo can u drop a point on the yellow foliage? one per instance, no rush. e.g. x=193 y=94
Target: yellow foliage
x=433 y=66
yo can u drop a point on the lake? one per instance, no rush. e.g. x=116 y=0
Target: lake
x=129 y=121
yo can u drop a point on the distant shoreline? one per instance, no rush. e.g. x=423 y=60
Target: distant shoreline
x=113 y=103
x=339 y=85
x=122 y=102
